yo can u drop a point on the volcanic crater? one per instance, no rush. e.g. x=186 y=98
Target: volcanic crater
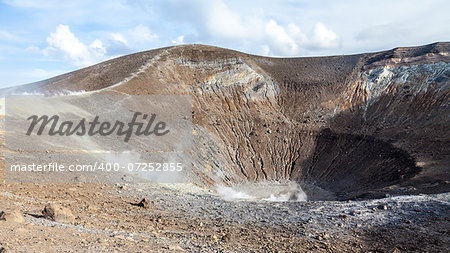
x=342 y=127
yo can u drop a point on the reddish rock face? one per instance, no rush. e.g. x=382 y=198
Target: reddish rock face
x=352 y=126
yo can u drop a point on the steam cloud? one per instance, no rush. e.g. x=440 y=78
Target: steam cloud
x=266 y=191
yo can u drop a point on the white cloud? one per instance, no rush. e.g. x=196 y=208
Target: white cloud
x=346 y=27
x=117 y=44
x=222 y=22
x=281 y=42
x=119 y=38
x=215 y=21
x=324 y=38
x=142 y=33
x=265 y=50
x=64 y=41
x=134 y=39
x=290 y=40
x=179 y=40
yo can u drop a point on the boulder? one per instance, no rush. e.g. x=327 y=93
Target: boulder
x=58 y=213
x=12 y=216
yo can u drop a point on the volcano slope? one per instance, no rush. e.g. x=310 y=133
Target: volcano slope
x=352 y=126
x=359 y=127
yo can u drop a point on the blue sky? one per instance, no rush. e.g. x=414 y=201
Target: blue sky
x=43 y=38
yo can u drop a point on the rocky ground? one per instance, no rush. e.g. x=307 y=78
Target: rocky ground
x=371 y=130
x=183 y=217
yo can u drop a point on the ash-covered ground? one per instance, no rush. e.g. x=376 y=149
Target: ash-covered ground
x=182 y=217
x=315 y=154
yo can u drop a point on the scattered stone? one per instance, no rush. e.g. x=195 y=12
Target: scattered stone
x=343 y=216
x=92 y=208
x=58 y=213
x=226 y=237
x=145 y=203
x=382 y=207
x=119 y=236
x=100 y=241
x=395 y=250
x=175 y=248
x=12 y=216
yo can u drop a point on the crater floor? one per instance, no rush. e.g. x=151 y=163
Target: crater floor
x=187 y=218
x=369 y=130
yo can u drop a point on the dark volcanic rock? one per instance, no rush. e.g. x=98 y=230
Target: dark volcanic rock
x=145 y=203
